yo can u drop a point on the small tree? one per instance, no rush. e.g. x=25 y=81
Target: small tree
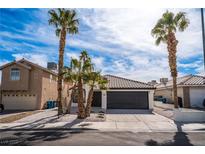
x=78 y=69
x=70 y=77
x=81 y=73
x=93 y=79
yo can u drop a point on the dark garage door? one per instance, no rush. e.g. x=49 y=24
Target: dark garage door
x=96 y=99
x=127 y=100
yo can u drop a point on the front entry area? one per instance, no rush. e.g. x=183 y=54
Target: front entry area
x=97 y=95
x=127 y=100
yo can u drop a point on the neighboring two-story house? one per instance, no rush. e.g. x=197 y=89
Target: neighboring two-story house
x=28 y=86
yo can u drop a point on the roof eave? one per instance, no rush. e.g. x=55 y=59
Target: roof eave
x=14 y=62
x=38 y=66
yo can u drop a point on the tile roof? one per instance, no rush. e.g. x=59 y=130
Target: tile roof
x=189 y=80
x=115 y=82
x=195 y=80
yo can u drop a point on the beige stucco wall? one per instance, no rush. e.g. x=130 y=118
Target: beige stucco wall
x=49 y=88
x=22 y=84
x=35 y=82
x=29 y=85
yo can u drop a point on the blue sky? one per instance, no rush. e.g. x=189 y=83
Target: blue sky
x=118 y=41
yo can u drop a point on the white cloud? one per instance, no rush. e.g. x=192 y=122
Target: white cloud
x=35 y=58
x=131 y=29
x=128 y=30
x=3 y=61
x=121 y=41
x=201 y=70
x=98 y=63
x=70 y=55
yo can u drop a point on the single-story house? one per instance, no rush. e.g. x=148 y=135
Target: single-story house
x=28 y=86
x=123 y=93
x=190 y=88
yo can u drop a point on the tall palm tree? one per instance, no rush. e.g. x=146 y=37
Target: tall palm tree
x=164 y=31
x=65 y=22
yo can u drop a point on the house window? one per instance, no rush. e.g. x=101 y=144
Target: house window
x=15 y=74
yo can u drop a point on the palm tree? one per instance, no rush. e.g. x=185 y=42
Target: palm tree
x=164 y=31
x=93 y=79
x=77 y=75
x=71 y=77
x=65 y=22
x=78 y=69
x=81 y=72
x=85 y=67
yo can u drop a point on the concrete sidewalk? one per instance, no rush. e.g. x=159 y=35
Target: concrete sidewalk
x=135 y=122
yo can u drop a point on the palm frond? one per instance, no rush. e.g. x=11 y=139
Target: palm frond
x=64 y=19
x=169 y=23
x=54 y=18
x=160 y=39
x=168 y=18
x=183 y=25
x=58 y=31
x=181 y=21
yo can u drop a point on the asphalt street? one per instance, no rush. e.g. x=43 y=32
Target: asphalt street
x=96 y=138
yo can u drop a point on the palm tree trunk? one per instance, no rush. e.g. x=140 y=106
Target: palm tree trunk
x=89 y=102
x=175 y=92
x=81 y=108
x=60 y=67
x=71 y=98
x=172 y=49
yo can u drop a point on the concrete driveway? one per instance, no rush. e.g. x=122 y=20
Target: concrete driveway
x=116 y=120
x=137 y=121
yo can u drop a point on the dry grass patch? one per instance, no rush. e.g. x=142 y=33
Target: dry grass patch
x=18 y=116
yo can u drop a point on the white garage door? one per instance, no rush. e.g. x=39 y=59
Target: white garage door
x=197 y=95
x=19 y=102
